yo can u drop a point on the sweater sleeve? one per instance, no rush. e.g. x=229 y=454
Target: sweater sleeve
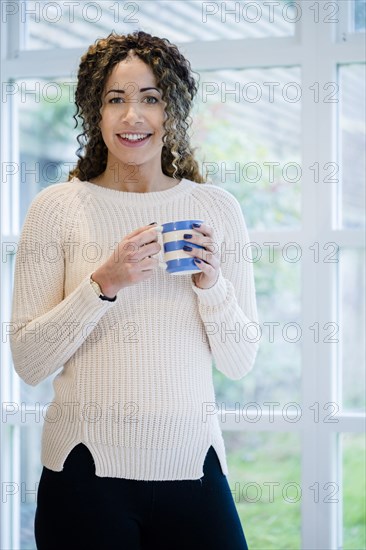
x=229 y=309
x=47 y=328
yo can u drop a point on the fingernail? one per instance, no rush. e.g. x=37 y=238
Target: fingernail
x=152 y=223
x=196 y=225
x=187 y=236
x=159 y=228
x=185 y=247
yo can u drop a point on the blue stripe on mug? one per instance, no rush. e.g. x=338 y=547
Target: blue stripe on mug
x=178 y=245
x=176 y=226
x=181 y=265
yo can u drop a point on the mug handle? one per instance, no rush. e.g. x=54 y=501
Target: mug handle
x=159 y=229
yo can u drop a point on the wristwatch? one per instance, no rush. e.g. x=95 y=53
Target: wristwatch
x=99 y=292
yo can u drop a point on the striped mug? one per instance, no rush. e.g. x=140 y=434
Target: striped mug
x=176 y=260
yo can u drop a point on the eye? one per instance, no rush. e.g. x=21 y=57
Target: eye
x=116 y=100
x=155 y=100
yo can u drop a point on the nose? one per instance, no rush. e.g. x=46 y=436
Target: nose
x=132 y=112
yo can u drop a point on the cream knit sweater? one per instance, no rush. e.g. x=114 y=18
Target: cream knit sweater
x=134 y=380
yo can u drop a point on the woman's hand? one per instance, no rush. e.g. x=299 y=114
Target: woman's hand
x=131 y=261
x=210 y=262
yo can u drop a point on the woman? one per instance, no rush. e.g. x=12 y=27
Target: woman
x=132 y=452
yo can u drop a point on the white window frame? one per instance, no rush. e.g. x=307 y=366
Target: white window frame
x=320 y=456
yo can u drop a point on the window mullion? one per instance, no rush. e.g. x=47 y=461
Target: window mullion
x=318 y=518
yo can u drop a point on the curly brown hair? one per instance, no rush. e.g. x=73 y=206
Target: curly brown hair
x=173 y=75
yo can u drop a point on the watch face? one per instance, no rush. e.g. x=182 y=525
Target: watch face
x=96 y=287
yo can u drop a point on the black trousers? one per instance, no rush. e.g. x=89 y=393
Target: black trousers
x=78 y=510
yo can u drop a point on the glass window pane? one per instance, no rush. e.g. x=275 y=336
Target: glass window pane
x=352 y=82
x=268 y=500
x=352 y=323
x=276 y=376
x=354 y=499
x=47 y=138
x=30 y=473
x=75 y=24
x=247 y=128
x=38 y=395
x=359 y=15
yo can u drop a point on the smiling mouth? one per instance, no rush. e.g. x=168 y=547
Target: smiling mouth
x=134 y=137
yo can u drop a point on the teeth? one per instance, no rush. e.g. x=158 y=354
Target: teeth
x=133 y=137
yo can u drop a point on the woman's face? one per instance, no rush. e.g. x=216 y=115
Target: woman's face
x=132 y=115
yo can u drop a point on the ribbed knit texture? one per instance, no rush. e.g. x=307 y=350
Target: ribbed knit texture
x=135 y=383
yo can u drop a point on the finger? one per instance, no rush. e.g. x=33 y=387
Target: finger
x=205 y=229
x=148 y=264
x=207 y=268
x=137 y=231
x=147 y=250
x=206 y=242
x=200 y=263
x=204 y=255
x=208 y=271
x=146 y=237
